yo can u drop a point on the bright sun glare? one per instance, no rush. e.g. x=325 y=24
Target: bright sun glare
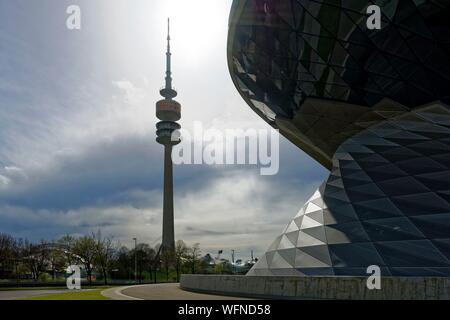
x=197 y=25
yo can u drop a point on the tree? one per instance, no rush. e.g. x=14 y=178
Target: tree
x=193 y=257
x=223 y=267
x=20 y=267
x=7 y=244
x=150 y=256
x=57 y=261
x=104 y=250
x=86 y=248
x=36 y=257
x=145 y=257
x=157 y=261
x=167 y=260
x=66 y=244
x=123 y=263
x=180 y=256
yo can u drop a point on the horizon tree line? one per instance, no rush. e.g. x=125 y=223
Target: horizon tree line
x=21 y=259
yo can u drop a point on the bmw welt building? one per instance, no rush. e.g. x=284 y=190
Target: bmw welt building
x=369 y=105
x=373 y=107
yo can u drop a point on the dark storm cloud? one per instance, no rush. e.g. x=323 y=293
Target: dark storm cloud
x=106 y=172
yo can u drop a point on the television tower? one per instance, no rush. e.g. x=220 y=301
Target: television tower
x=168 y=111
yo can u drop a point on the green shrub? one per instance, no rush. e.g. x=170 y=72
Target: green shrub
x=45 y=277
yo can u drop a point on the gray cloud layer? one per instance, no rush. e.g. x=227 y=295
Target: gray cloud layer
x=77 y=149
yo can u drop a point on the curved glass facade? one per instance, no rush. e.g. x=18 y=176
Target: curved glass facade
x=370 y=105
x=284 y=52
x=385 y=203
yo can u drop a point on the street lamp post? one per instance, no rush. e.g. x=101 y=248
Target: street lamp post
x=135 y=260
x=232 y=261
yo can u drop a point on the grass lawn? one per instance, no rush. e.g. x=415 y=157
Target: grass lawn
x=52 y=288
x=74 y=295
x=30 y=288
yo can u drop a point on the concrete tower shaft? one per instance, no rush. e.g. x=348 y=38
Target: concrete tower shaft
x=168 y=111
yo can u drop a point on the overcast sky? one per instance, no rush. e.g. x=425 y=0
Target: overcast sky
x=77 y=127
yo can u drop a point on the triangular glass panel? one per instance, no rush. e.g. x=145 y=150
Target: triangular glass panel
x=292 y=227
x=346 y=233
x=317 y=232
x=311 y=207
x=304 y=260
x=305 y=240
x=319 y=252
x=298 y=221
x=285 y=243
x=288 y=255
x=392 y=229
x=278 y=262
x=317 y=216
x=309 y=223
x=275 y=244
x=293 y=237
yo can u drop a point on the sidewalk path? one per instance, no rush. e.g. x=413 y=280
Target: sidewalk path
x=170 y=291
x=23 y=294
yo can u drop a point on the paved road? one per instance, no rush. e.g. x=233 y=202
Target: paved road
x=22 y=294
x=159 y=292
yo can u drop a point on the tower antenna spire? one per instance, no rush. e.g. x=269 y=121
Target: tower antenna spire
x=168 y=29
x=168 y=59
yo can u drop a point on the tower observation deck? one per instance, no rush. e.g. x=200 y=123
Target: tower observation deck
x=168 y=111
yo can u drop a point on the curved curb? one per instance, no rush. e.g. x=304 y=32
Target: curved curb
x=116 y=293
